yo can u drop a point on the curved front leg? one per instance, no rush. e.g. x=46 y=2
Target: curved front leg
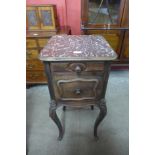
x=54 y=117
x=103 y=111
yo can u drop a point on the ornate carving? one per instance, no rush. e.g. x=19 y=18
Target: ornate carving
x=76 y=67
x=53 y=105
x=96 y=81
x=72 y=87
x=102 y=104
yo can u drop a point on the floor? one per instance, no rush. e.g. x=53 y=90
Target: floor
x=78 y=123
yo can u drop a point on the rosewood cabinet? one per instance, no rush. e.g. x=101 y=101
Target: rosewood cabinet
x=109 y=18
x=77 y=69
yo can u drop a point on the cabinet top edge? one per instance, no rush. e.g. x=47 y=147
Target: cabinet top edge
x=42 y=5
x=77 y=47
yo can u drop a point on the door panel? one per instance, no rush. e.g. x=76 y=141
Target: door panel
x=32 y=18
x=46 y=15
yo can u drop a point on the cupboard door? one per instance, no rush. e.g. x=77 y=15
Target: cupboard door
x=32 y=18
x=107 y=12
x=46 y=15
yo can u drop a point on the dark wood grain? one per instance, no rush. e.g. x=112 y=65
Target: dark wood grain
x=77 y=84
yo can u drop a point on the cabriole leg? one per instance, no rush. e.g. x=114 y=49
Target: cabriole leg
x=102 y=114
x=54 y=117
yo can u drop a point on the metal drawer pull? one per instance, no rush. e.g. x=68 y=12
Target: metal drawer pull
x=35 y=34
x=34 y=76
x=29 y=53
x=78 y=69
x=77 y=91
x=31 y=66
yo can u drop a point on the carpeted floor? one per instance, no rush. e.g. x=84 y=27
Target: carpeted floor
x=78 y=138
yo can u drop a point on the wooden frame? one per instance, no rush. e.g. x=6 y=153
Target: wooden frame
x=84 y=15
x=110 y=32
x=53 y=26
x=31 y=27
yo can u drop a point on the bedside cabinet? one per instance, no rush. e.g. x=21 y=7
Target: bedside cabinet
x=35 y=41
x=77 y=70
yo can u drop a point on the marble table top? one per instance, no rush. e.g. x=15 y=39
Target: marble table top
x=77 y=48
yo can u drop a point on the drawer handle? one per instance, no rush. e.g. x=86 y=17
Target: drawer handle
x=35 y=34
x=34 y=76
x=31 y=66
x=29 y=53
x=78 y=69
x=77 y=91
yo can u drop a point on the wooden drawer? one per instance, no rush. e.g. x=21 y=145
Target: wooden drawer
x=35 y=76
x=77 y=67
x=42 y=42
x=34 y=65
x=32 y=54
x=70 y=87
x=31 y=43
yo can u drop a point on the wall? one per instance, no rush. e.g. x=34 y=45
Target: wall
x=68 y=12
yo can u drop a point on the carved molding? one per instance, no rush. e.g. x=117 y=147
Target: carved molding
x=102 y=105
x=53 y=105
x=77 y=80
x=73 y=66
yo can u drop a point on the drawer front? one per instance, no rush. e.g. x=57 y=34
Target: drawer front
x=42 y=42
x=71 y=88
x=31 y=43
x=35 y=76
x=34 y=65
x=32 y=54
x=77 y=67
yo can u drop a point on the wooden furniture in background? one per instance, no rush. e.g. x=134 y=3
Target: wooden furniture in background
x=42 y=17
x=35 y=41
x=77 y=69
x=109 y=18
x=42 y=24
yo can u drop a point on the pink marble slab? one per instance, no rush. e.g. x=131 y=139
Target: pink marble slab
x=77 y=47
